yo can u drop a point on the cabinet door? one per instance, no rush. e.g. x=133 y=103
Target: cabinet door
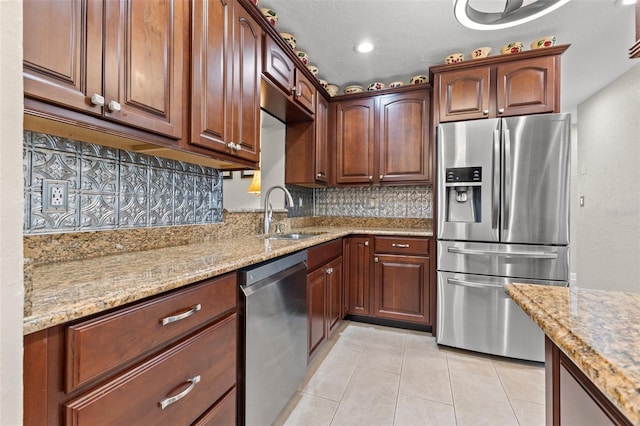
x=144 y=64
x=334 y=294
x=401 y=288
x=403 y=137
x=211 y=74
x=247 y=48
x=464 y=94
x=529 y=86
x=66 y=69
x=278 y=66
x=305 y=94
x=321 y=141
x=358 y=275
x=354 y=122
x=316 y=308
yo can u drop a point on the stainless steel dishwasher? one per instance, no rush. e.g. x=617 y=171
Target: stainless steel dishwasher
x=273 y=336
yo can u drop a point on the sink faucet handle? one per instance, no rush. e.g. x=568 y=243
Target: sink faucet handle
x=279 y=227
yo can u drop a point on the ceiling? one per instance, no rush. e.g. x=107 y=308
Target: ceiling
x=412 y=35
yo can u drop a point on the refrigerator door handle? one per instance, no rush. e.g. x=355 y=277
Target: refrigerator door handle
x=495 y=202
x=473 y=284
x=531 y=254
x=506 y=180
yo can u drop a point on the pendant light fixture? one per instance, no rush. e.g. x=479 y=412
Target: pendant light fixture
x=254 y=186
x=515 y=12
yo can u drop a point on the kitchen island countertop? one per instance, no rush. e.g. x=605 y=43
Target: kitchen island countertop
x=65 y=291
x=598 y=330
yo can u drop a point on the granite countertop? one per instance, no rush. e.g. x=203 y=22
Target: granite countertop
x=65 y=291
x=598 y=330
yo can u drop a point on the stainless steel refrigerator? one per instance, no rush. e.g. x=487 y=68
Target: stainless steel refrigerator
x=503 y=216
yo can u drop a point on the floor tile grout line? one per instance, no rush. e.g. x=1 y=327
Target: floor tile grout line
x=453 y=400
x=505 y=394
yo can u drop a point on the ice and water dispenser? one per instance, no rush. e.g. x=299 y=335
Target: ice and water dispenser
x=463 y=194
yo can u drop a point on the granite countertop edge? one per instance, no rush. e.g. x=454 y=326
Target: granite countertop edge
x=52 y=306
x=605 y=375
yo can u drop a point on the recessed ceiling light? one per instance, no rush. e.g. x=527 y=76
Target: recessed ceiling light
x=515 y=12
x=364 y=47
x=627 y=2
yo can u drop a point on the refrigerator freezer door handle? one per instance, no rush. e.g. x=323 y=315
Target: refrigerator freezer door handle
x=465 y=283
x=506 y=181
x=531 y=255
x=495 y=202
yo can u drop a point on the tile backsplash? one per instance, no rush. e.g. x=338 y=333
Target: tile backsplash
x=111 y=188
x=382 y=201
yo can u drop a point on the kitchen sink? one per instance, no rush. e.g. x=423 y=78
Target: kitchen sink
x=291 y=236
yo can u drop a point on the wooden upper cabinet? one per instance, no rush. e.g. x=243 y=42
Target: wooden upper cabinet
x=305 y=94
x=529 y=86
x=321 y=169
x=500 y=86
x=144 y=64
x=278 y=66
x=67 y=68
x=139 y=81
x=211 y=74
x=247 y=49
x=355 y=140
x=464 y=95
x=226 y=50
x=403 y=137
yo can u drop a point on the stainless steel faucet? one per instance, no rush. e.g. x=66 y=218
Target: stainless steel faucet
x=268 y=211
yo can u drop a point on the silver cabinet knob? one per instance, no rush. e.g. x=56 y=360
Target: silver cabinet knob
x=114 y=106
x=381 y=177
x=366 y=243
x=485 y=111
x=319 y=175
x=375 y=259
x=370 y=177
x=97 y=100
x=501 y=111
x=231 y=146
x=238 y=147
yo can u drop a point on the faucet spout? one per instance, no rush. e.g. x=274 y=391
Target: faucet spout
x=268 y=211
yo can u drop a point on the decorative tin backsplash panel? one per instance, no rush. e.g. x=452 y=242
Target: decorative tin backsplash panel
x=300 y=195
x=383 y=201
x=110 y=188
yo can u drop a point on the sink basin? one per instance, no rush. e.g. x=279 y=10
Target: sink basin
x=291 y=236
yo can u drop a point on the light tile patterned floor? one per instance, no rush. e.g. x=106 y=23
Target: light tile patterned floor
x=372 y=375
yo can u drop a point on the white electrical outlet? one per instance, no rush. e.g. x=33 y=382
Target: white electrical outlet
x=55 y=195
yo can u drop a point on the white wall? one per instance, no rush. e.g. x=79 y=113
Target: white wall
x=608 y=226
x=11 y=213
x=272 y=142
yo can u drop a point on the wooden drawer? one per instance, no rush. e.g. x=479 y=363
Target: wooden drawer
x=135 y=397
x=221 y=414
x=105 y=343
x=402 y=245
x=323 y=253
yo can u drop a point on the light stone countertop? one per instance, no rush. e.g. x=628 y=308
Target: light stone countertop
x=66 y=291
x=598 y=330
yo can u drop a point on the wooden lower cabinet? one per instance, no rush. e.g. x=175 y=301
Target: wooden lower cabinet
x=390 y=278
x=324 y=293
x=130 y=367
x=400 y=287
x=571 y=397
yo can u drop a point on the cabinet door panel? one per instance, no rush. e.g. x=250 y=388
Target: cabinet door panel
x=305 y=92
x=321 y=140
x=359 y=275
x=144 y=64
x=528 y=86
x=464 y=95
x=355 y=140
x=246 y=84
x=334 y=295
x=67 y=68
x=403 y=122
x=211 y=74
x=278 y=66
x=400 y=288
x=316 y=308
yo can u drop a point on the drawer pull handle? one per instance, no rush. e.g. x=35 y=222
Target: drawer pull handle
x=168 y=401
x=187 y=314
x=400 y=245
